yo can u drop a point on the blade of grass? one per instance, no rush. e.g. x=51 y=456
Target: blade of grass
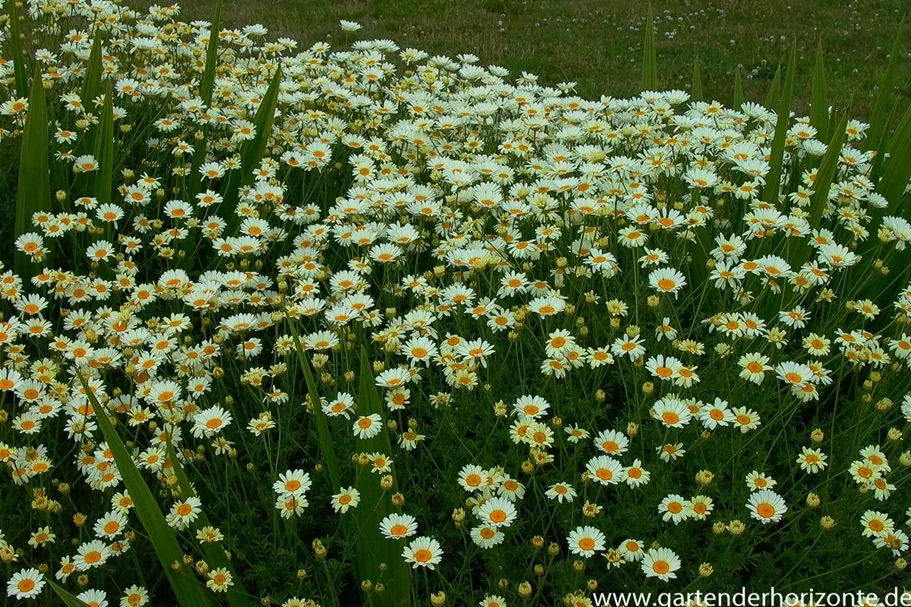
x=91 y=86
x=265 y=116
x=650 y=55
x=205 y=92
x=33 y=192
x=68 y=599
x=738 y=90
x=322 y=425
x=879 y=158
x=771 y=98
x=697 y=82
x=252 y=153
x=104 y=150
x=876 y=132
x=898 y=166
x=20 y=67
x=103 y=178
x=773 y=179
x=825 y=176
x=819 y=110
x=236 y=594
x=895 y=177
x=91 y=89
x=187 y=589
x=896 y=170
x=371 y=548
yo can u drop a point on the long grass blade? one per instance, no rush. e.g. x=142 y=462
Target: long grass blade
x=371 y=547
x=897 y=169
x=91 y=86
x=253 y=151
x=738 y=90
x=879 y=157
x=819 y=110
x=773 y=179
x=20 y=67
x=327 y=445
x=236 y=595
x=69 y=599
x=265 y=115
x=878 y=122
x=650 y=55
x=34 y=187
x=206 y=89
x=697 y=82
x=771 y=98
x=189 y=592
x=825 y=176
x=104 y=150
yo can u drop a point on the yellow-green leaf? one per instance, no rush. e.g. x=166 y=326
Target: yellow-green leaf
x=326 y=443
x=91 y=86
x=773 y=179
x=207 y=87
x=771 y=98
x=826 y=173
x=236 y=594
x=20 y=69
x=252 y=153
x=33 y=192
x=819 y=110
x=187 y=589
x=697 y=82
x=371 y=548
x=738 y=90
x=68 y=598
x=878 y=120
x=650 y=55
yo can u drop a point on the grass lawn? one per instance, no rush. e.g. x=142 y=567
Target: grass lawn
x=598 y=43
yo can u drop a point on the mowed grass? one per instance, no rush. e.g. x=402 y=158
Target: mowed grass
x=598 y=43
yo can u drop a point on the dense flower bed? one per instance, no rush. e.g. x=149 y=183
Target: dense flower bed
x=437 y=334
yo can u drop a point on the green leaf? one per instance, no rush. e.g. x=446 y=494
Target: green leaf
x=879 y=157
x=68 y=599
x=265 y=115
x=773 y=179
x=825 y=176
x=819 y=110
x=738 y=90
x=33 y=192
x=697 y=82
x=371 y=548
x=236 y=594
x=897 y=167
x=91 y=89
x=327 y=445
x=206 y=90
x=252 y=153
x=650 y=55
x=895 y=176
x=91 y=86
x=20 y=69
x=208 y=78
x=104 y=150
x=878 y=121
x=771 y=98
x=187 y=589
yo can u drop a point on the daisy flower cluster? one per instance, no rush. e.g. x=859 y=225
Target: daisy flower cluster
x=371 y=326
